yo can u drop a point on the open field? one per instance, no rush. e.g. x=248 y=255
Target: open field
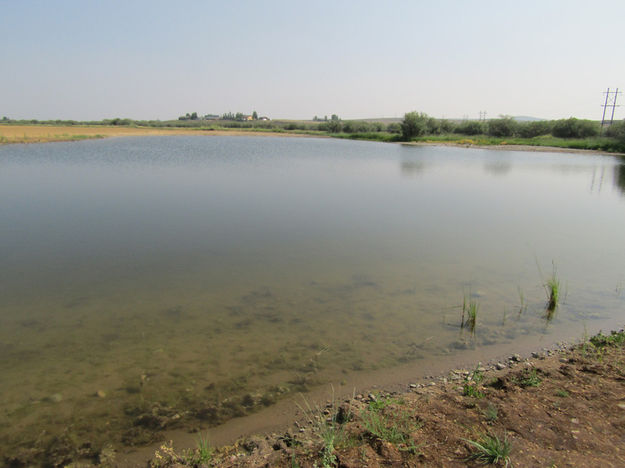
x=49 y=133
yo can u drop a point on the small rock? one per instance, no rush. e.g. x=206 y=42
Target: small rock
x=55 y=398
x=100 y=394
x=432 y=384
x=515 y=358
x=621 y=405
x=535 y=355
x=481 y=369
x=574 y=420
x=563 y=359
x=500 y=366
x=371 y=397
x=413 y=385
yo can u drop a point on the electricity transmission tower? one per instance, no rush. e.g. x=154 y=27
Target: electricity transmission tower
x=482 y=116
x=610 y=101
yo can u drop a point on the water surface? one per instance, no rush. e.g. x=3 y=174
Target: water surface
x=200 y=278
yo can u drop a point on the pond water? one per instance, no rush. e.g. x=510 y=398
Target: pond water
x=159 y=282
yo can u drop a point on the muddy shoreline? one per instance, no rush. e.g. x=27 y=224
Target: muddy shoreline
x=561 y=405
x=420 y=378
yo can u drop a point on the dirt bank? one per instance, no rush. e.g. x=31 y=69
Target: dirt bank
x=556 y=408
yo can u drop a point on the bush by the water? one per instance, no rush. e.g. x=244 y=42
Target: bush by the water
x=504 y=127
x=470 y=127
x=575 y=128
x=414 y=125
x=617 y=130
x=534 y=129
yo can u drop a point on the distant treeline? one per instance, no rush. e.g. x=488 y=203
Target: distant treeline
x=415 y=126
x=570 y=133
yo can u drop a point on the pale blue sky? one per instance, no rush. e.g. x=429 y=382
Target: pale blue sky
x=290 y=59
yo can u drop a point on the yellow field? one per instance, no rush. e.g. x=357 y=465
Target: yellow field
x=48 y=133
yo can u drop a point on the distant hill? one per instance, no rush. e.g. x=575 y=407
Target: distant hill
x=525 y=118
x=518 y=118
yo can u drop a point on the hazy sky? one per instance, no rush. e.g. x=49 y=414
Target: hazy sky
x=296 y=59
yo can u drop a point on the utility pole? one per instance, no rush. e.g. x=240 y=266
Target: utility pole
x=610 y=101
x=482 y=116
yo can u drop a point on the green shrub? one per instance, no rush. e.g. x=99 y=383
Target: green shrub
x=534 y=129
x=414 y=125
x=447 y=126
x=617 y=130
x=575 y=128
x=470 y=127
x=504 y=127
x=393 y=127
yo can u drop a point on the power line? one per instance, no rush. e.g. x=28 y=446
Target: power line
x=610 y=101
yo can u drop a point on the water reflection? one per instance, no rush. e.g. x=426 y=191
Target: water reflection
x=412 y=167
x=619 y=176
x=596 y=182
x=498 y=168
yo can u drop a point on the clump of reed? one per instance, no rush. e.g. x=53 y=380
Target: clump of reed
x=552 y=287
x=553 y=291
x=470 y=308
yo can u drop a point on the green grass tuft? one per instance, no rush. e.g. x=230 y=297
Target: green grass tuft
x=391 y=424
x=530 y=379
x=553 y=292
x=490 y=449
x=471 y=385
x=491 y=413
x=470 y=308
x=328 y=429
x=614 y=339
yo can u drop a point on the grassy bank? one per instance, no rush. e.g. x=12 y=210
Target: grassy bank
x=14 y=133
x=605 y=144
x=563 y=408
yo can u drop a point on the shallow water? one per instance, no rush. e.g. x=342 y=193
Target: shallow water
x=209 y=276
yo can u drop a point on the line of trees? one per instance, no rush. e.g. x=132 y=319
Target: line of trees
x=418 y=124
x=413 y=125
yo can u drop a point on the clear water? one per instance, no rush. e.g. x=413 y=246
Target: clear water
x=209 y=276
